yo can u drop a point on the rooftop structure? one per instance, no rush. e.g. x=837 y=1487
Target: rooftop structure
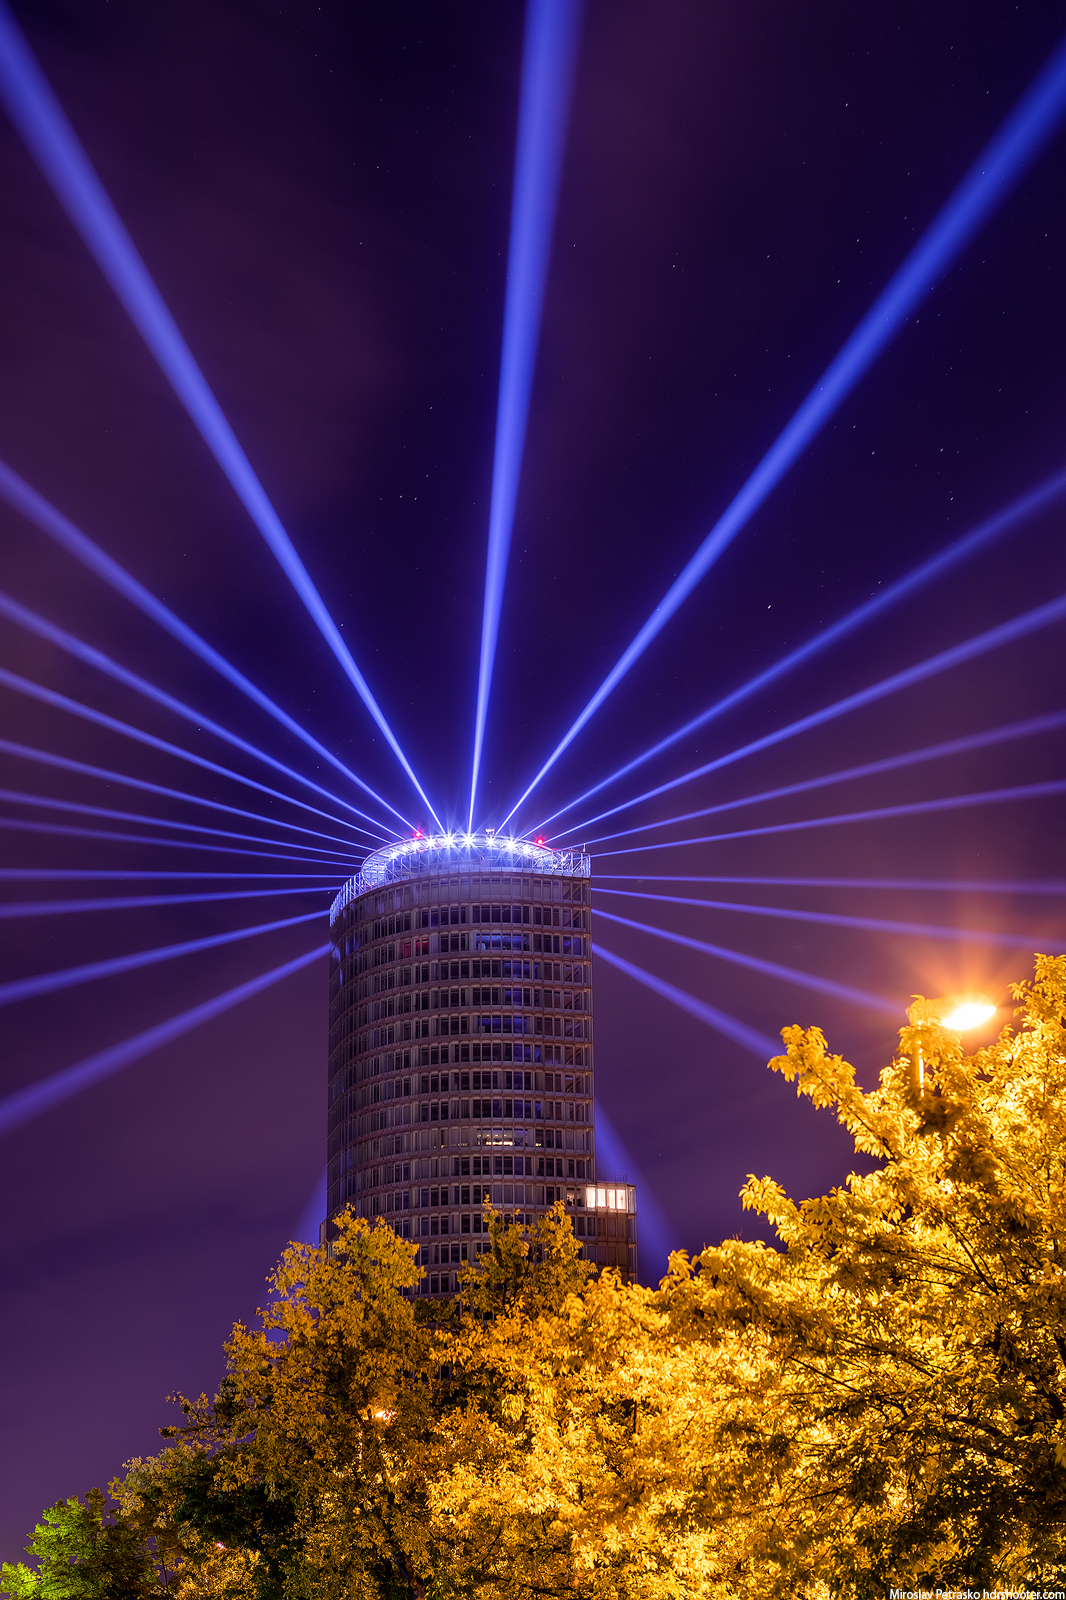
x=446 y=852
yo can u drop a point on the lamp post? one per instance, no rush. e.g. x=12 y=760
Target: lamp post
x=960 y=1012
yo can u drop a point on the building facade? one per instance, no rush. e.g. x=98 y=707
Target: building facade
x=461 y=1044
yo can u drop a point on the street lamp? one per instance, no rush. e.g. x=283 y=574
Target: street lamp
x=960 y=1012
x=969 y=1011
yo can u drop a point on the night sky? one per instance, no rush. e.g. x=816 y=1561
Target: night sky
x=322 y=194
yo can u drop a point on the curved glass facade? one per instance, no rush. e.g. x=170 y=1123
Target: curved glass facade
x=461 y=1050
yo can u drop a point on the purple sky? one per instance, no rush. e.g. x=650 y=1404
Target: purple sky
x=322 y=195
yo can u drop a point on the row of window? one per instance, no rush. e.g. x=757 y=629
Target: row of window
x=464 y=1052
x=392 y=1088
x=343 y=1189
x=436 y=1195
x=558 y=972
x=534 y=1136
x=484 y=945
x=474 y=1167
x=605 y=1224
x=361 y=937
x=495 y=1110
x=352 y=1153
x=571 y=1022
x=454 y=999
x=517 y=1194
x=441 y=971
x=568 y=1055
x=442 y=900
x=495 y=1166
x=441 y=1082
x=428 y=890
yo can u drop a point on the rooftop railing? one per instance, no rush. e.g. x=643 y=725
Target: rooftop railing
x=459 y=852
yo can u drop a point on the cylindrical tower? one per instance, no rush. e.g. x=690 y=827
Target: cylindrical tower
x=461 y=1049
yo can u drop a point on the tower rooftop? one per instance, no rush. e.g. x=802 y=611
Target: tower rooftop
x=457 y=852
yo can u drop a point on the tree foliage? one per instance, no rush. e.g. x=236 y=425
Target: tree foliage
x=878 y=1400
x=85 y=1550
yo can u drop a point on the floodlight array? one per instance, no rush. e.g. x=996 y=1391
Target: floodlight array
x=447 y=852
x=550 y=49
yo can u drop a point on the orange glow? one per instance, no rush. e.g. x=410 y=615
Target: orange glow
x=969 y=1011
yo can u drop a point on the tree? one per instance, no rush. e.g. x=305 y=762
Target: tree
x=311 y=1460
x=85 y=1551
x=311 y=1471
x=915 y=1321
x=877 y=1401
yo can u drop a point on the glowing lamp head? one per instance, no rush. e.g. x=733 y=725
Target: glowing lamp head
x=960 y=1012
x=969 y=1012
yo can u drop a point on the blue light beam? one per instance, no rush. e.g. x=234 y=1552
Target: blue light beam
x=69 y=831
x=914 y=808
x=914 y=930
x=657 y=1232
x=131 y=875
x=759 y=1044
x=18 y=824
x=25 y=1104
x=769 y=969
x=83 y=809
x=12 y=910
x=1027 y=729
x=51 y=140
x=314 y=1212
x=46 y=758
x=25 y=500
x=92 y=971
x=77 y=708
x=1020 y=510
x=1001 y=163
x=549 y=57
x=73 y=646
x=1044 y=616
x=1038 y=886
